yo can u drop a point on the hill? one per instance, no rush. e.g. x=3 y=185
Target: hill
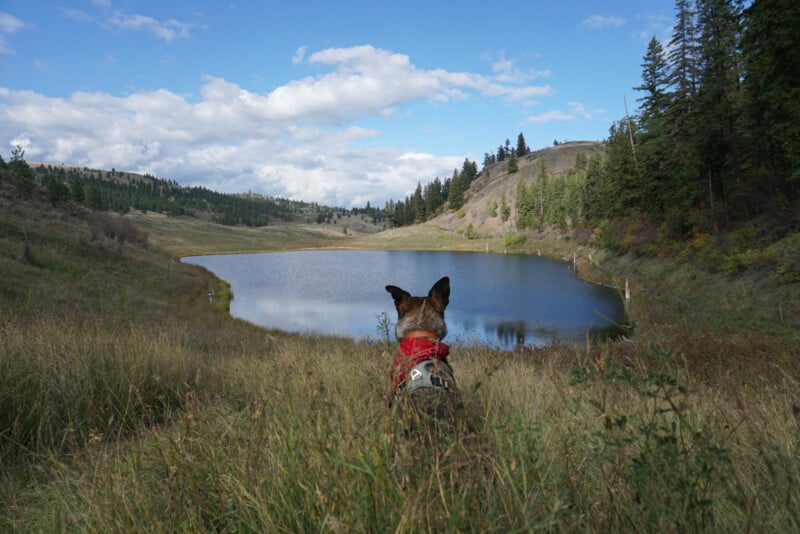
x=494 y=181
x=121 y=192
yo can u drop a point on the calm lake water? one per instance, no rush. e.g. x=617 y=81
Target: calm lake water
x=497 y=300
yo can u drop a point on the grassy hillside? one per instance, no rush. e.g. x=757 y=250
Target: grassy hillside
x=495 y=181
x=128 y=402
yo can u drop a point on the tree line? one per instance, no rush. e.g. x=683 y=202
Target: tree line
x=428 y=201
x=120 y=192
x=717 y=135
x=715 y=140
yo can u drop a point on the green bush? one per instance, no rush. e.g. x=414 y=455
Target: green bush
x=512 y=239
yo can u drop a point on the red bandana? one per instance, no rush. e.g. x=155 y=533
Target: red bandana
x=413 y=351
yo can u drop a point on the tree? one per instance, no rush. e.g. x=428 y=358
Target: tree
x=455 y=198
x=522 y=148
x=524 y=205
x=622 y=189
x=23 y=176
x=682 y=76
x=541 y=184
x=772 y=91
x=418 y=205
x=57 y=191
x=653 y=147
x=469 y=171
x=505 y=209
x=654 y=82
x=717 y=110
x=593 y=205
x=511 y=166
x=94 y=200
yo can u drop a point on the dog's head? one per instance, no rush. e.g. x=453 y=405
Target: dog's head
x=421 y=313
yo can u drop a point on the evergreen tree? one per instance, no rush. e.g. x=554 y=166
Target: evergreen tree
x=418 y=205
x=94 y=200
x=622 y=189
x=653 y=148
x=455 y=198
x=524 y=205
x=505 y=209
x=683 y=66
x=541 y=186
x=593 y=199
x=717 y=110
x=770 y=45
x=522 y=148
x=511 y=166
x=654 y=82
x=23 y=176
x=469 y=171
x=501 y=154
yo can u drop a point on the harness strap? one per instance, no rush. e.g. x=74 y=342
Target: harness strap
x=416 y=348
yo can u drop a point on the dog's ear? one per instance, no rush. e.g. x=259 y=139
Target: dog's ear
x=399 y=295
x=441 y=292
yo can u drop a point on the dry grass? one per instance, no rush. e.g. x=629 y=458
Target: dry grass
x=128 y=403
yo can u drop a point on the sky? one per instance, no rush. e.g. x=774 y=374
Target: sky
x=336 y=102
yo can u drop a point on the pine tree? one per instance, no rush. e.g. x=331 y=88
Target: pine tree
x=682 y=76
x=418 y=205
x=505 y=209
x=23 y=175
x=455 y=198
x=718 y=103
x=522 y=148
x=654 y=82
x=653 y=148
x=524 y=205
x=511 y=166
x=770 y=45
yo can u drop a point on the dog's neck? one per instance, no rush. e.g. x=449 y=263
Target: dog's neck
x=422 y=334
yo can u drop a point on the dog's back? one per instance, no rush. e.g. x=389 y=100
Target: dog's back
x=424 y=399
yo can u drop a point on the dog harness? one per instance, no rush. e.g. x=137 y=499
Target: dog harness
x=409 y=360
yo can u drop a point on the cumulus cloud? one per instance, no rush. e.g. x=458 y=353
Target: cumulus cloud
x=298 y=141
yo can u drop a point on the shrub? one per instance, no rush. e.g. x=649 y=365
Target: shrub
x=117 y=229
x=512 y=239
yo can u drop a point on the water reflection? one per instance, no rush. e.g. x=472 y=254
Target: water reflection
x=497 y=300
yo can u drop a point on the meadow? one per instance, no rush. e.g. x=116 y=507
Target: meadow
x=128 y=402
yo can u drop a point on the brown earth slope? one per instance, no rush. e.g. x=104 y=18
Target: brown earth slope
x=494 y=181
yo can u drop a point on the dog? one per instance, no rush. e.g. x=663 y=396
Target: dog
x=425 y=404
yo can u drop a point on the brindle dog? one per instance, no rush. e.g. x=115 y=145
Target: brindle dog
x=426 y=408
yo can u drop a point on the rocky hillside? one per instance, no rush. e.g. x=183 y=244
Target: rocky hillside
x=494 y=181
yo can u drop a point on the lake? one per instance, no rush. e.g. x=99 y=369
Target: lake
x=496 y=300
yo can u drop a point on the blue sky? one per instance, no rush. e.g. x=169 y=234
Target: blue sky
x=333 y=102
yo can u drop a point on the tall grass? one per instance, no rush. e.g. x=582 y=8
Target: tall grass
x=297 y=441
x=130 y=403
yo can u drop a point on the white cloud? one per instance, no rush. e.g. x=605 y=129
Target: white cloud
x=300 y=140
x=167 y=30
x=9 y=25
x=603 y=21
x=575 y=111
x=299 y=55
